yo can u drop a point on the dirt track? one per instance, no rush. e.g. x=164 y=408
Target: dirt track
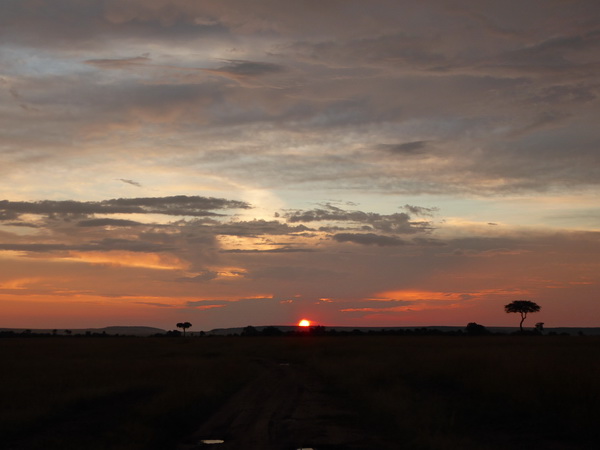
x=285 y=408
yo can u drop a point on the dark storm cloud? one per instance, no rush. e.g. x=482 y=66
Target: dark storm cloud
x=369 y=239
x=392 y=223
x=180 y=205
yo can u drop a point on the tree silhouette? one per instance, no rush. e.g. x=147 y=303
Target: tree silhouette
x=184 y=326
x=522 y=307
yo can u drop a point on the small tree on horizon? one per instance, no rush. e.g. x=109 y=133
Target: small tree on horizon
x=522 y=307
x=184 y=326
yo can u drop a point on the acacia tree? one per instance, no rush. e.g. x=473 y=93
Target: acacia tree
x=522 y=307
x=184 y=326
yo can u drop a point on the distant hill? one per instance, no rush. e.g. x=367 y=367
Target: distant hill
x=121 y=330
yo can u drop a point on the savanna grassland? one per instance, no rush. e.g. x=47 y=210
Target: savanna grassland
x=419 y=392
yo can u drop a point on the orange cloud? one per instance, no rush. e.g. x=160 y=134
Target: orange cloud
x=131 y=259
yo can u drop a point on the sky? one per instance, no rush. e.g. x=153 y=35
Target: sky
x=233 y=163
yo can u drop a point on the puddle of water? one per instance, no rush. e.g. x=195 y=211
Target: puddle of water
x=212 y=441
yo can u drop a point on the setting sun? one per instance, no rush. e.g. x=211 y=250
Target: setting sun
x=304 y=323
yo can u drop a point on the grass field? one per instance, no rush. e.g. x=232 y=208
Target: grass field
x=424 y=392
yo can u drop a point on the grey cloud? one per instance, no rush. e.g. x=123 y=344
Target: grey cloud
x=132 y=182
x=397 y=49
x=180 y=205
x=108 y=222
x=248 y=68
x=393 y=223
x=118 y=63
x=158 y=305
x=8 y=215
x=369 y=239
x=547 y=119
x=421 y=210
x=94 y=246
x=82 y=24
x=553 y=53
x=193 y=304
x=258 y=227
x=37 y=248
x=22 y=224
x=428 y=242
x=273 y=250
x=564 y=93
x=406 y=77
x=407 y=148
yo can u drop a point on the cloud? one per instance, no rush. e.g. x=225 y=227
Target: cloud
x=407 y=148
x=42 y=248
x=108 y=222
x=205 y=275
x=554 y=53
x=104 y=245
x=132 y=182
x=240 y=68
x=259 y=227
x=180 y=205
x=207 y=303
x=119 y=63
x=369 y=239
x=271 y=250
x=392 y=223
x=421 y=210
x=157 y=305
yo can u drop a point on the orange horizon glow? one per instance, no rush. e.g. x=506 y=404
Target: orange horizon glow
x=304 y=323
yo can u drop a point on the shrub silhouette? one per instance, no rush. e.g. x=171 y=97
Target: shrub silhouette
x=522 y=307
x=474 y=329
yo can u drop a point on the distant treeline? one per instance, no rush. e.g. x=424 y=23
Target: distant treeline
x=472 y=329
x=57 y=334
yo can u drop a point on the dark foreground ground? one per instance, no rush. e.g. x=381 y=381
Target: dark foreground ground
x=367 y=392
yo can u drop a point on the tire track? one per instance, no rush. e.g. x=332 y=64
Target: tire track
x=284 y=408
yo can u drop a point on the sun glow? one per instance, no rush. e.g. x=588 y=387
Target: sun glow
x=304 y=323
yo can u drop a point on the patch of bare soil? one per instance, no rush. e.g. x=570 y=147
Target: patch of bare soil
x=285 y=408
